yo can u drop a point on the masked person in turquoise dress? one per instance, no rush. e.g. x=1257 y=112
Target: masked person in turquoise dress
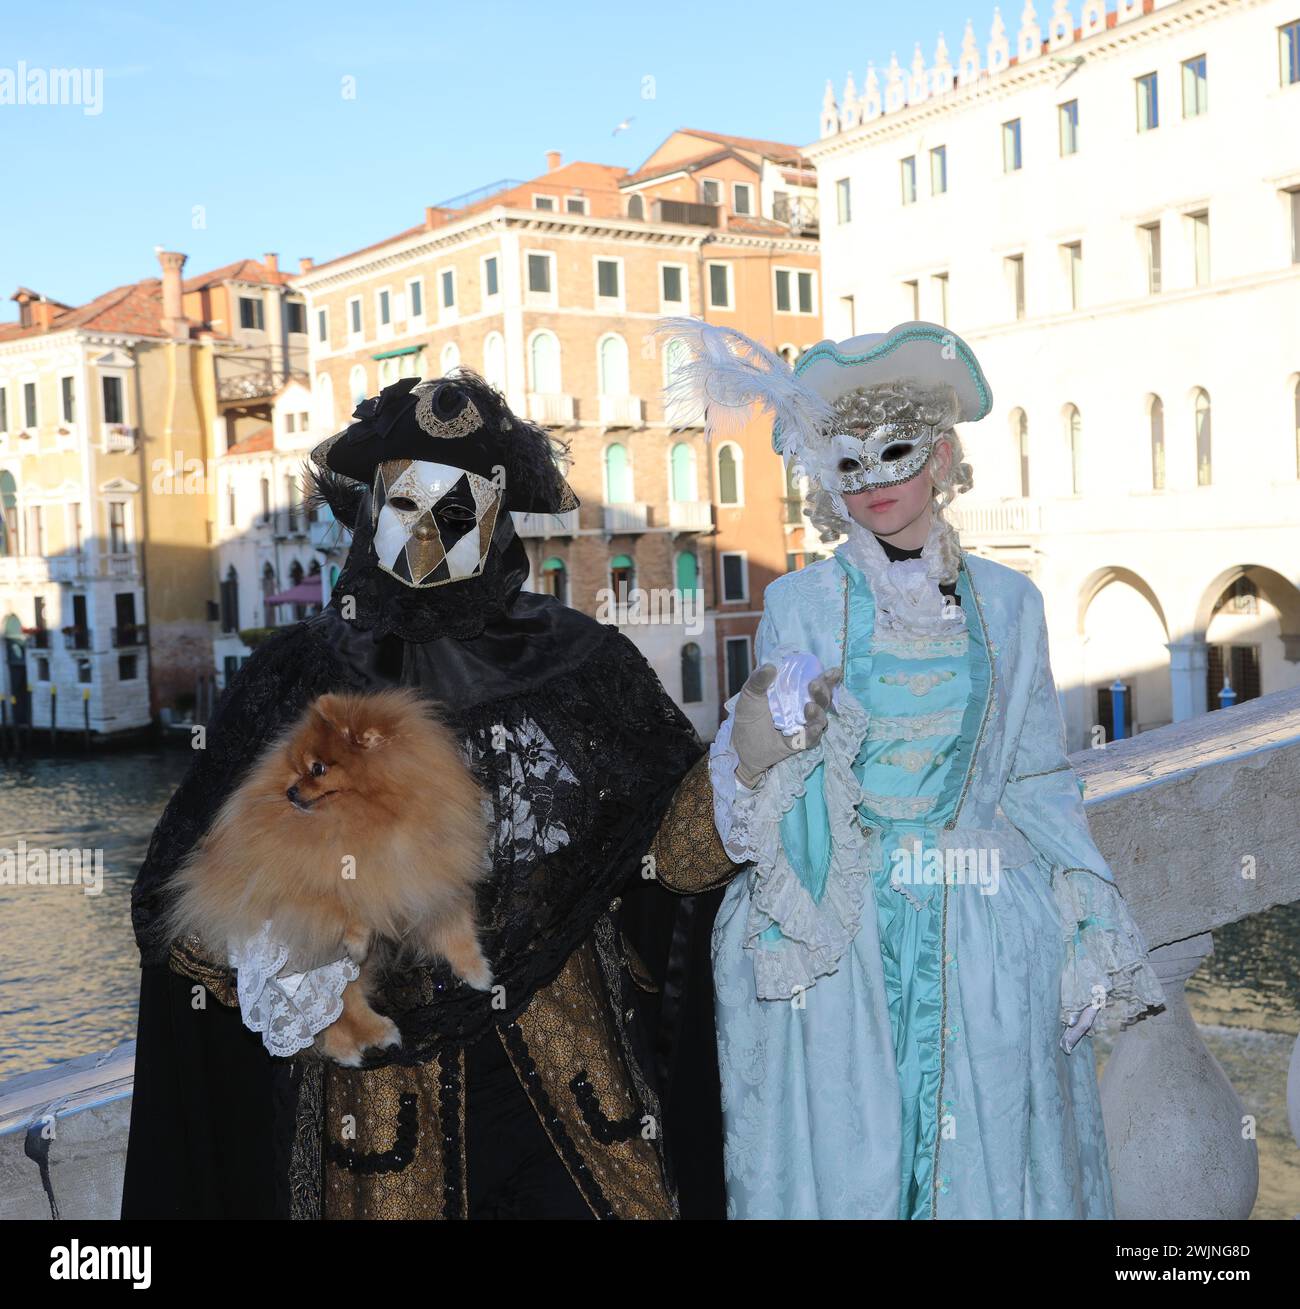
x=922 y=930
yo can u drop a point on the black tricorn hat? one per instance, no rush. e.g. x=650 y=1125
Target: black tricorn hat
x=459 y=420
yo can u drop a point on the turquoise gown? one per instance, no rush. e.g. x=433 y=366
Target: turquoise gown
x=888 y=1089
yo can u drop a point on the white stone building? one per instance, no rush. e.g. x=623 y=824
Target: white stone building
x=1107 y=207
x=268 y=542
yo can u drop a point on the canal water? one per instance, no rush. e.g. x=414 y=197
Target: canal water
x=68 y=972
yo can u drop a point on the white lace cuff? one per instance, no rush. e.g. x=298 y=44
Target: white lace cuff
x=286 y=1008
x=1106 y=968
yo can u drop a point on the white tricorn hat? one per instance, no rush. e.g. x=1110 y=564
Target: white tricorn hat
x=926 y=353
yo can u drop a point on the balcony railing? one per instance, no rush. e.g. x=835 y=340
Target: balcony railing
x=633 y=516
x=690 y=515
x=543 y=525
x=551 y=409
x=682 y=211
x=39 y=569
x=117 y=438
x=1173 y=1122
x=622 y=411
x=130 y=634
x=76 y=638
x=799 y=213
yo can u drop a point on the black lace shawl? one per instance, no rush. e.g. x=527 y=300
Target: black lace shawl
x=578 y=768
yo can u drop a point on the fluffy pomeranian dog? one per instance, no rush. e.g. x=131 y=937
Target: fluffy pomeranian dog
x=361 y=824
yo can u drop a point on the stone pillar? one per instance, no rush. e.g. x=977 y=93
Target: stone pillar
x=1189 y=661
x=1174 y=1126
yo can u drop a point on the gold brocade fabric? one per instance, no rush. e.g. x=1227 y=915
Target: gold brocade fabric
x=688 y=853
x=582 y=1080
x=384 y=1149
x=187 y=959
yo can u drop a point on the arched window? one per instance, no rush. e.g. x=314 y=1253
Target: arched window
x=544 y=363
x=325 y=402
x=8 y=514
x=731 y=482
x=357 y=384
x=611 y=356
x=555 y=579
x=622 y=577
x=1204 y=469
x=692 y=674
x=618 y=475
x=230 y=601
x=1157 y=443
x=494 y=360
x=687 y=573
x=387 y=372
x=1020 y=434
x=449 y=358
x=635 y=207
x=683 y=485
x=409 y=365
x=1074 y=435
x=268 y=590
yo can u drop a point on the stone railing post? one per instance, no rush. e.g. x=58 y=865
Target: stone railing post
x=1175 y=1128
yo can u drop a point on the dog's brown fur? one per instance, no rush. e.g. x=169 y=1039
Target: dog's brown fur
x=362 y=822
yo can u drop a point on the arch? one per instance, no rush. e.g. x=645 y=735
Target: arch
x=1201 y=420
x=494 y=360
x=676 y=353
x=612 y=364
x=448 y=358
x=555 y=579
x=635 y=207
x=731 y=474
x=1100 y=578
x=692 y=674
x=683 y=484
x=618 y=474
x=544 y=373
x=1156 y=425
x=1276 y=588
x=622 y=577
x=387 y=372
x=357 y=384
x=686 y=572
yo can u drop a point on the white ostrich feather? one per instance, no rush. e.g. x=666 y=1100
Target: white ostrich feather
x=726 y=374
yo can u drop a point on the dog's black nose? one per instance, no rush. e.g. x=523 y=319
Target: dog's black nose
x=292 y=795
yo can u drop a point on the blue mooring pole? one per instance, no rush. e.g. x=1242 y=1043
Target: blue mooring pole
x=1118 y=693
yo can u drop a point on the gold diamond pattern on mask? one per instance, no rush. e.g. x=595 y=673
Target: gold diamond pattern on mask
x=424 y=555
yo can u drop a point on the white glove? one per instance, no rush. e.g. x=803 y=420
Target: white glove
x=754 y=735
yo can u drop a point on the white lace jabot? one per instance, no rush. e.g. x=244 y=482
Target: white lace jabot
x=286 y=1008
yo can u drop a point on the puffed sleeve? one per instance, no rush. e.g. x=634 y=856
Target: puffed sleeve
x=1106 y=974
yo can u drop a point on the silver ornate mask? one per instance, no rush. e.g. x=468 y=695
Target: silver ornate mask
x=433 y=523
x=882 y=455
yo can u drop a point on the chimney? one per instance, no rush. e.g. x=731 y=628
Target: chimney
x=306 y=264
x=174 y=322
x=42 y=314
x=272 y=262
x=552 y=160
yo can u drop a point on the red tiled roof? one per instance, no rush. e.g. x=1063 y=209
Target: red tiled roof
x=134 y=309
x=677 y=165
x=242 y=270
x=254 y=443
x=771 y=149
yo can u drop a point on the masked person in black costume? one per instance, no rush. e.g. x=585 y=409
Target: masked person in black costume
x=548 y=1106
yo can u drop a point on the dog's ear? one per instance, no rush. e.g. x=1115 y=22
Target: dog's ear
x=332 y=710
x=372 y=738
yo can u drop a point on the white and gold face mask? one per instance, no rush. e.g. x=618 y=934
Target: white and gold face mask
x=433 y=523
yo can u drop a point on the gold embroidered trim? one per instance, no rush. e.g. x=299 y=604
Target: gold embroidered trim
x=688 y=853
x=188 y=958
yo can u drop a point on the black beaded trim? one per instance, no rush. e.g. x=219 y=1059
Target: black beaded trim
x=383 y=1161
x=587 y=1184
x=605 y=1130
x=449 y=1093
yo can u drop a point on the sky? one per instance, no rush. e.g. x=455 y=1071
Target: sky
x=226 y=130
